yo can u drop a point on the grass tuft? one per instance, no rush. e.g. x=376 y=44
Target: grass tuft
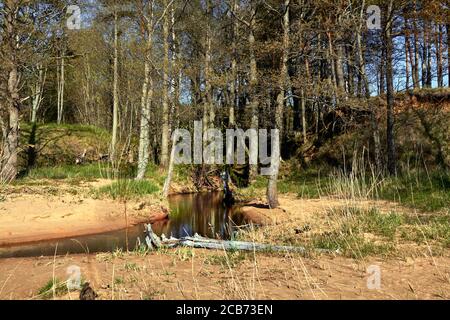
x=124 y=189
x=54 y=287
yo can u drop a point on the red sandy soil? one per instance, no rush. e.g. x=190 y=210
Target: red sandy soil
x=199 y=274
x=28 y=216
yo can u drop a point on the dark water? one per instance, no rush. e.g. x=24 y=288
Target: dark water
x=189 y=214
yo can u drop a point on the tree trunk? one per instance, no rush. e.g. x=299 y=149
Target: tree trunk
x=304 y=122
x=254 y=104
x=365 y=80
x=350 y=72
x=382 y=73
x=303 y=111
x=11 y=140
x=448 y=54
x=61 y=86
x=334 y=66
x=115 y=88
x=272 y=193
x=340 y=69
x=232 y=120
x=424 y=59
x=407 y=51
x=416 y=82
x=165 y=97
x=166 y=187
x=176 y=74
x=37 y=91
x=146 y=102
x=10 y=129
x=144 y=137
x=11 y=144
x=272 y=189
x=439 y=54
x=391 y=154
x=429 y=75
x=411 y=56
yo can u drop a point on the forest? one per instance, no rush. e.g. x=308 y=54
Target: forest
x=92 y=93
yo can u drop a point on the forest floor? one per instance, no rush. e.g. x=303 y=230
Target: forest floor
x=413 y=257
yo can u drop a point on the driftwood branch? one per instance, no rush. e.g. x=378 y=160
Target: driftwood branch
x=152 y=240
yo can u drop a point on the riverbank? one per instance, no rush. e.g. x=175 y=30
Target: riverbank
x=408 y=246
x=36 y=213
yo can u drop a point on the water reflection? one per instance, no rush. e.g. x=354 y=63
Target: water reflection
x=203 y=214
x=193 y=213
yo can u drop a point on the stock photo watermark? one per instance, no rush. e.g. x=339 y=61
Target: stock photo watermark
x=74 y=280
x=74 y=17
x=208 y=147
x=374 y=17
x=374 y=277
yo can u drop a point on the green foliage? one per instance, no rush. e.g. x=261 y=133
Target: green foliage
x=426 y=228
x=60 y=145
x=305 y=184
x=352 y=226
x=428 y=192
x=125 y=189
x=53 y=287
x=421 y=191
x=119 y=280
x=351 y=245
x=372 y=221
x=229 y=259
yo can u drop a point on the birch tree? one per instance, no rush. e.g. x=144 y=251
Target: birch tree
x=115 y=88
x=146 y=26
x=166 y=86
x=272 y=193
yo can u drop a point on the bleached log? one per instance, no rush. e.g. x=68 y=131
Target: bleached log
x=205 y=243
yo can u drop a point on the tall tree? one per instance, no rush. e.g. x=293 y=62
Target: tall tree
x=115 y=88
x=272 y=194
x=147 y=30
x=11 y=74
x=365 y=80
x=165 y=93
x=388 y=47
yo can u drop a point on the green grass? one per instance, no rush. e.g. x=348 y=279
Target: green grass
x=304 y=185
x=62 y=144
x=229 y=259
x=370 y=221
x=425 y=192
x=352 y=224
x=155 y=174
x=308 y=184
x=428 y=228
x=131 y=267
x=351 y=245
x=124 y=189
x=52 y=286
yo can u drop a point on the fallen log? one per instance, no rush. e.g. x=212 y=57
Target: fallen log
x=197 y=241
